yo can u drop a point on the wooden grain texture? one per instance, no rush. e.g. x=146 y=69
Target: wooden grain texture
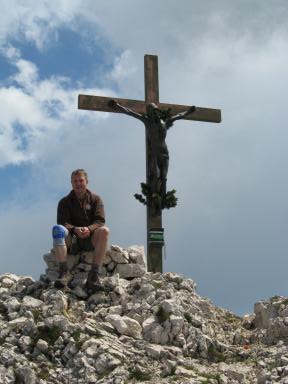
x=100 y=103
x=151 y=79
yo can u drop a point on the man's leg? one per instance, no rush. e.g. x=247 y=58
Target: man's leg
x=60 y=236
x=99 y=241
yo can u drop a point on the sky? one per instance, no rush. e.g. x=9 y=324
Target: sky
x=229 y=230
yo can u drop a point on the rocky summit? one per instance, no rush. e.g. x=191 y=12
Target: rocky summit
x=146 y=327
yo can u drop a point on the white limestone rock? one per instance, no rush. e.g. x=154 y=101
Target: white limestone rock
x=58 y=321
x=120 y=334
x=12 y=304
x=106 y=363
x=125 y=325
x=42 y=346
x=170 y=306
x=10 y=276
x=19 y=323
x=155 y=351
x=271 y=319
x=31 y=303
x=24 y=343
x=7 y=282
x=25 y=375
x=80 y=292
x=118 y=255
x=137 y=254
x=130 y=270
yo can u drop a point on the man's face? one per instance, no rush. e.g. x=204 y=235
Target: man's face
x=79 y=184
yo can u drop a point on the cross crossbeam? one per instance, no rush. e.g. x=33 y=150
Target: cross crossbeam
x=100 y=103
x=140 y=109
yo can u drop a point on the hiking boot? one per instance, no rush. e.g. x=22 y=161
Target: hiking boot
x=64 y=277
x=93 y=283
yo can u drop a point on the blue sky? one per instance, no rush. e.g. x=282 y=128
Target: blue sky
x=228 y=232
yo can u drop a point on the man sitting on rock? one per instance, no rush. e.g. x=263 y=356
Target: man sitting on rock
x=80 y=227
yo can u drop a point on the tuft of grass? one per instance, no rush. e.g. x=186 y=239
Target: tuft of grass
x=188 y=317
x=76 y=336
x=208 y=377
x=172 y=372
x=214 y=355
x=43 y=374
x=139 y=375
x=161 y=315
x=37 y=315
x=49 y=334
x=4 y=312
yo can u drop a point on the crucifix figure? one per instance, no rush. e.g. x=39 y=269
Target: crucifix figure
x=157 y=125
x=157 y=118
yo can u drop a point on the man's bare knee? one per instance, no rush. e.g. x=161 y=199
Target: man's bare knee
x=101 y=233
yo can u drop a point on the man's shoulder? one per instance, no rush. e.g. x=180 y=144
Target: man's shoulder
x=94 y=196
x=66 y=198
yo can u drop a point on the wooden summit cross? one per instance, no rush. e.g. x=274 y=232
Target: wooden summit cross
x=160 y=111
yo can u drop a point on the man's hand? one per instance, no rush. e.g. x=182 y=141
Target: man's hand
x=82 y=232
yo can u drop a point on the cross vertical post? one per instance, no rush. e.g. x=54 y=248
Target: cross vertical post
x=154 y=221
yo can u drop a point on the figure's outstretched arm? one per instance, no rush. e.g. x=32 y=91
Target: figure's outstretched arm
x=180 y=116
x=113 y=104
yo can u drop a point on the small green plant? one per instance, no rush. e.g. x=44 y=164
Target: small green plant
x=77 y=338
x=76 y=335
x=49 y=334
x=168 y=201
x=37 y=315
x=43 y=374
x=214 y=355
x=161 y=314
x=171 y=373
x=188 y=317
x=139 y=375
x=4 y=312
x=208 y=377
x=272 y=364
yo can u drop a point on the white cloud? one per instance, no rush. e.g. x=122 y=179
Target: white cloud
x=40 y=108
x=122 y=66
x=36 y=21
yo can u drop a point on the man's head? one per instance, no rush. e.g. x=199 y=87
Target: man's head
x=79 y=181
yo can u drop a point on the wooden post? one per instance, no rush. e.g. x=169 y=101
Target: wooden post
x=154 y=250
